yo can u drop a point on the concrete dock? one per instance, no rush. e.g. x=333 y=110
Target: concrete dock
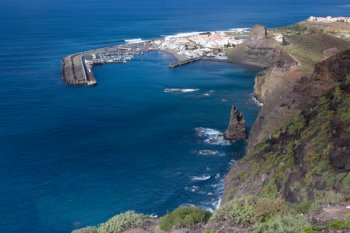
x=184 y=62
x=77 y=69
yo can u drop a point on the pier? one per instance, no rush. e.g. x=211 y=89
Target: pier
x=184 y=62
x=77 y=69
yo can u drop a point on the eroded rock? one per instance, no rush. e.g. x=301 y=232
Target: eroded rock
x=237 y=127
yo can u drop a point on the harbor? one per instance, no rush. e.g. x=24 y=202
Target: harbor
x=77 y=69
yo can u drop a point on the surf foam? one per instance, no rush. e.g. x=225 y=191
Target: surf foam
x=180 y=90
x=212 y=136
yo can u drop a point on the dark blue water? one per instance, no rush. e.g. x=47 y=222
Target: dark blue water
x=71 y=156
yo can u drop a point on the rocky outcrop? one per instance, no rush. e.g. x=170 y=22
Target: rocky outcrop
x=237 y=127
x=258 y=33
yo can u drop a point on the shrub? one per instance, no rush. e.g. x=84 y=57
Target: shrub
x=86 y=230
x=330 y=197
x=329 y=178
x=285 y=224
x=296 y=125
x=266 y=208
x=307 y=206
x=269 y=190
x=210 y=231
x=183 y=217
x=339 y=225
x=121 y=222
x=239 y=211
x=310 y=230
x=346 y=181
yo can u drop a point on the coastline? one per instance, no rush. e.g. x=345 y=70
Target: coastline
x=277 y=64
x=77 y=68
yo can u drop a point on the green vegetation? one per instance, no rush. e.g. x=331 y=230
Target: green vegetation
x=306 y=207
x=293 y=29
x=121 y=222
x=346 y=181
x=117 y=224
x=308 y=48
x=329 y=197
x=296 y=125
x=267 y=208
x=310 y=230
x=239 y=211
x=183 y=217
x=210 y=231
x=86 y=230
x=338 y=225
x=249 y=210
x=283 y=224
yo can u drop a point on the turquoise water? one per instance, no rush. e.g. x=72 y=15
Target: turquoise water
x=75 y=156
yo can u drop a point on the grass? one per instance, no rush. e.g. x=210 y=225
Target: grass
x=86 y=230
x=238 y=211
x=117 y=224
x=123 y=221
x=283 y=224
x=183 y=217
x=329 y=197
x=306 y=207
x=338 y=225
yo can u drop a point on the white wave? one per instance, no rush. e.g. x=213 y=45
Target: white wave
x=239 y=29
x=182 y=34
x=206 y=132
x=192 y=189
x=212 y=136
x=200 y=178
x=134 y=41
x=256 y=101
x=208 y=152
x=180 y=90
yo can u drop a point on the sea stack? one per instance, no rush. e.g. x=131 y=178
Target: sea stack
x=236 y=129
x=259 y=32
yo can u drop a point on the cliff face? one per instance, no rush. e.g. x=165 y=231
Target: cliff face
x=309 y=156
x=286 y=86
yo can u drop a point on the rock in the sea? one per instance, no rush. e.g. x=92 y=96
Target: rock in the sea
x=259 y=32
x=236 y=129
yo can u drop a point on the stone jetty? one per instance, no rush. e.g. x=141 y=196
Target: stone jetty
x=77 y=69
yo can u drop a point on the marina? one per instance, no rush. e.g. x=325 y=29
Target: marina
x=77 y=69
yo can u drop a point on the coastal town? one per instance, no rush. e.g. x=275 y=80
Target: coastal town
x=186 y=48
x=329 y=19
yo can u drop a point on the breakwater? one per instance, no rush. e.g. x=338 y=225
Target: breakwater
x=77 y=69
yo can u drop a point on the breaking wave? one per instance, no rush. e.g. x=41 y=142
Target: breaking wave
x=256 y=101
x=200 y=178
x=212 y=136
x=134 y=41
x=180 y=90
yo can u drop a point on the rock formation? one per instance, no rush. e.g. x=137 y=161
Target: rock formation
x=259 y=32
x=236 y=129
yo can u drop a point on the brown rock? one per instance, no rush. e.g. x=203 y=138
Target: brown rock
x=259 y=32
x=236 y=129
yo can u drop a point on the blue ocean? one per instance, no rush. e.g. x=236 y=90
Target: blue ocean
x=142 y=138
